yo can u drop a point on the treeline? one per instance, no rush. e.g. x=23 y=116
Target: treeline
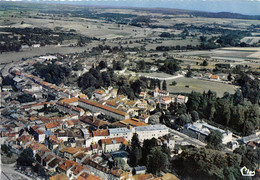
x=30 y=36
x=232 y=111
x=225 y=40
x=52 y=73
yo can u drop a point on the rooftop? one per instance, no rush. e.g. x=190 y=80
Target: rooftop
x=96 y=104
x=151 y=127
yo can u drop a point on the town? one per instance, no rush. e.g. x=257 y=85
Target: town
x=115 y=112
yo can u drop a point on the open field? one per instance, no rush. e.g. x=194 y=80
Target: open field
x=199 y=86
x=8 y=57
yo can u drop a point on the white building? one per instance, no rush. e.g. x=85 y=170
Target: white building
x=113 y=144
x=151 y=131
x=201 y=130
x=121 y=132
x=160 y=93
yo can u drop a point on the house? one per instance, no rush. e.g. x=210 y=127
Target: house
x=139 y=170
x=92 y=121
x=61 y=176
x=38 y=134
x=143 y=177
x=80 y=157
x=166 y=101
x=52 y=126
x=54 y=163
x=180 y=99
x=142 y=95
x=100 y=134
x=99 y=93
x=214 y=77
x=48 y=159
x=76 y=170
x=65 y=166
x=207 y=75
x=144 y=118
x=113 y=144
x=68 y=152
x=160 y=93
x=87 y=176
x=97 y=169
x=142 y=104
x=96 y=148
x=24 y=139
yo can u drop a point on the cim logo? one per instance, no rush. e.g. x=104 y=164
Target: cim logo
x=246 y=172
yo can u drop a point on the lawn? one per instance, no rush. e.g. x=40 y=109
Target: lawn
x=199 y=86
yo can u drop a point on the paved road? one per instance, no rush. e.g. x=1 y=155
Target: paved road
x=8 y=173
x=183 y=139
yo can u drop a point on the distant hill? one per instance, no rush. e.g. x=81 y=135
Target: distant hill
x=169 y=11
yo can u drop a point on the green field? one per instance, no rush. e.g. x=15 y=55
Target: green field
x=199 y=86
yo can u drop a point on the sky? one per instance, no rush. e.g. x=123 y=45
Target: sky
x=249 y=7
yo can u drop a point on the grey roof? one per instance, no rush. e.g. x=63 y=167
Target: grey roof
x=151 y=127
x=140 y=168
x=119 y=130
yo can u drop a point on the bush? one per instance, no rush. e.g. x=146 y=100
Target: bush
x=174 y=83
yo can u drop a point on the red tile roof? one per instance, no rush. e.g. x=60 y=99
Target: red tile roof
x=116 y=140
x=92 y=121
x=86 y=176
x=70 y=100
x=98 y=105
x=101 y=132
x=52 y=125
x=66 y=165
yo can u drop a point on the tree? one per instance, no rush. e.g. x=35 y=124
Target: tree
x=229 y=77
x=148 y=144
x=4 y=148
x=174 y=83
x=102 y=64
x=189 y=73
x=164 y=85
x=157 y=161
x=207 y=164
x=135 y=151
x=214 y=140
x=119 y=163
x=26 y=157
x=194 y=116
x=205 y=63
